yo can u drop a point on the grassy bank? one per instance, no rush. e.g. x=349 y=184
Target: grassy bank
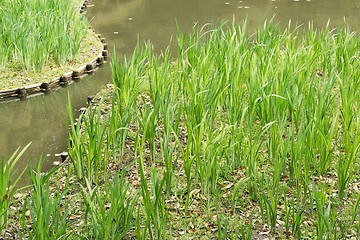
x=237 y=136
x=42 y=39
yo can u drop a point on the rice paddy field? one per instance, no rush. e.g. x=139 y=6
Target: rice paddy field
x=232 y=136
x=43 y=36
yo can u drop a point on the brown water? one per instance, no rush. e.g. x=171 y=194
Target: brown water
x=122 y=22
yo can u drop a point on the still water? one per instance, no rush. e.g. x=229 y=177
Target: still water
x=122 y=22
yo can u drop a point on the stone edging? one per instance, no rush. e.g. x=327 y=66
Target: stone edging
x=83 y=7
x=21 y=93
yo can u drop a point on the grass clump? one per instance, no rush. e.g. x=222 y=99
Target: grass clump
x=32 y=32
x=48 y=210
x=13 y=75
x=40 y=40
x=238 y=135
x=7 y=184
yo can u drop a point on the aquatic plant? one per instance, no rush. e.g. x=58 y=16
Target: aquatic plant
x=273 y=115
x=263 y=103
x=111 y=210
x=7 y=184
x=34 y=32
x=90 y=144
x=48 y=207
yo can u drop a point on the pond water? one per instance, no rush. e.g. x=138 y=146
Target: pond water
x=122 y=22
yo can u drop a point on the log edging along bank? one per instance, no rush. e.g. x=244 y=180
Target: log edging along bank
x=22 y=93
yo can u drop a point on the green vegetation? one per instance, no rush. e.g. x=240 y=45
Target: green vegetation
x=239 y=135
x=42 y=39
x=7 y=172
x=48 y=210
x=33 y=31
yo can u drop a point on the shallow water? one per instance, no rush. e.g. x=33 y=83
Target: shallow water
x=122 y=22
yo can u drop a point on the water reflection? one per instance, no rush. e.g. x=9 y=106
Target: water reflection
x=155 y=19
x=39 y=120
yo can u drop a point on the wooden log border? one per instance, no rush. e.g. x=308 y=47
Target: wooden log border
x=22 y=93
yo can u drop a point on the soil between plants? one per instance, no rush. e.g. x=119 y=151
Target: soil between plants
x=202 y=218
x=203 y=215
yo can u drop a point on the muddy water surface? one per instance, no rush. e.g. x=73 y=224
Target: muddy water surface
x=39 y=119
